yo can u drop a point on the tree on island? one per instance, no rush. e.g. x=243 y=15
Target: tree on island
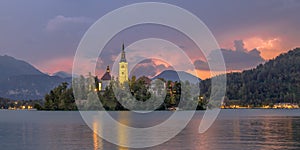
x=159 y=96
x=60 y=98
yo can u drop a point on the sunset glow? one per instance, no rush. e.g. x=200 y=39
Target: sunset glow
x=269 y=48
x=55 y=65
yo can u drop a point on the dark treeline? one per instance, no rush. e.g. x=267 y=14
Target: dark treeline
x=276 y=81
x=60 y=98
x=136 y=94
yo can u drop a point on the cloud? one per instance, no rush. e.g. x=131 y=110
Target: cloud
x=269 y=47
x=149 y=68
x=61 y=22
x=255 y=52
x=238 y=59
x=201 y=65
x=239 y=45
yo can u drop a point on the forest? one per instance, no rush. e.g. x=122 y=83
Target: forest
x=276 y=81
x=137 y=94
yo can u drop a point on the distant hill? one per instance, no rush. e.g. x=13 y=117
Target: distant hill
x=62 y=74
x=277 y=80
x=21 y=81
x=174 y=76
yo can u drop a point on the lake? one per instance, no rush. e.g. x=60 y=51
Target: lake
x=233 y=129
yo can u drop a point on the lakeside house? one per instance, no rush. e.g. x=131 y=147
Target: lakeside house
x=275 y=106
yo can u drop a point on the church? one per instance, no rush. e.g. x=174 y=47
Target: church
x=123 y=67
x=123 y=73
x=105 y=79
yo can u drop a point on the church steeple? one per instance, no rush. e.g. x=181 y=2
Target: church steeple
x=107 y=69
x=123 y=57
x=123 y=67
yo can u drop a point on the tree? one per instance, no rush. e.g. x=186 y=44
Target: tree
x=93 y=102
x=278 y=80
x=60 y=98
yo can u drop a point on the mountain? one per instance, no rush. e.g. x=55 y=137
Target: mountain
x=21 y=81
x=174 y=76
x=62 y=74
x=276 y=81
x=10 y=66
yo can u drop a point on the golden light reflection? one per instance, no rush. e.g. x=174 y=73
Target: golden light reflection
x=123 y=136
x=97 y=142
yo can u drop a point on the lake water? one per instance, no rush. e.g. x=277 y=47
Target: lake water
x=234 y=129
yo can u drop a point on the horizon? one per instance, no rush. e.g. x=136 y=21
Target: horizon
x=100 y=74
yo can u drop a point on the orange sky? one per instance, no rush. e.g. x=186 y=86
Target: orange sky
x=269 y=48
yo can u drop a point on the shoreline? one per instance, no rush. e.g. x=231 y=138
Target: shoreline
x=258 y=108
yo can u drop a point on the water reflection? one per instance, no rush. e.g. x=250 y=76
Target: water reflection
x=252 y=133
x=66 y=130
x=123 y=135
x=236 y=130
x=277 y=133
x=97 y=141
x=246 y=132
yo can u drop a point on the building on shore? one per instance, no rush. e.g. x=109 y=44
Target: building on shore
x=105 y=80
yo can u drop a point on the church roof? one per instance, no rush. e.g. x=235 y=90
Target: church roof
x=106 y=75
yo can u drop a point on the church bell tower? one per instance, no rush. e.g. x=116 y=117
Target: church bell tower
x=123 y=67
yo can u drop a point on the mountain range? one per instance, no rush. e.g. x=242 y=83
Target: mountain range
x=177 y=76
x=19 y=80
x=10 y=66
x=62 y=74
x=278 y=80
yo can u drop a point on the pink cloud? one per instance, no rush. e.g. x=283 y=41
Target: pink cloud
x=60 y=22
x=269 y=47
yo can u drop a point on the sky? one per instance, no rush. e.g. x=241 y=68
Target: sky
x=46 y=33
